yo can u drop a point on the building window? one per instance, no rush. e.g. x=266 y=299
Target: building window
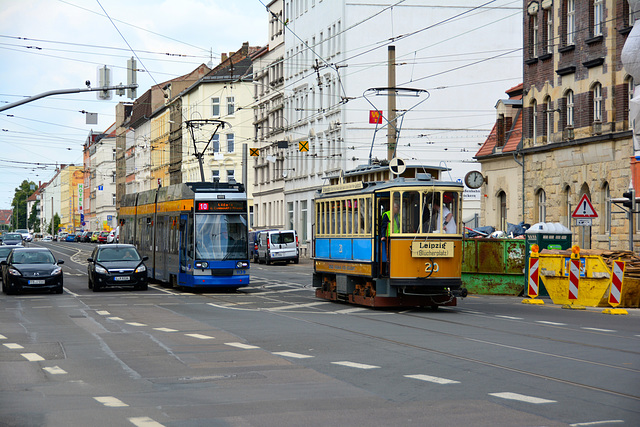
x=215 y=175
x=215 y=107
x=534 y=120
x=550 y=42
x=502 y=199
x=548 y=117
x=630 y=90
x=114 y=155
x=566 y=204
x=215 y=143
x=606 y=204
x=570 y=108
x=113 y=199
x=533 y=23
x=113 y=177
x=597 y=102
x=231 y=105
x=290 y=215
x=598 y=13
x=541 y=208
x=571 y=21
x=303 y=221
x=230 y=143
x=231 y=174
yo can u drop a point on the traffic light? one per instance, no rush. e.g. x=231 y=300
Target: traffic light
x=631 y=199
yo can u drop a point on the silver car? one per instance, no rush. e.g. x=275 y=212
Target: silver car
x=12 y=239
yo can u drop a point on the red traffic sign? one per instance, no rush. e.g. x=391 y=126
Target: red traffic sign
x=584 y=209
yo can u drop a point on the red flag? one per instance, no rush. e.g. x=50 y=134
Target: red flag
x=375 y=117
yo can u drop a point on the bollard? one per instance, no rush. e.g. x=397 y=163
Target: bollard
x=615 y=292
x=574 y=278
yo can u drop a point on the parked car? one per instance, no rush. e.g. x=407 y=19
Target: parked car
x=114 y=235
x=12 y=239
x=47 y=238
x=71 y=237
x=62 y=236
x=102 y=237
x=31 y=268
x=278 y=245
x=94 y=237
x=116 y=265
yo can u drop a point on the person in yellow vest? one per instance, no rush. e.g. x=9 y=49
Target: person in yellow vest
x=388 y=225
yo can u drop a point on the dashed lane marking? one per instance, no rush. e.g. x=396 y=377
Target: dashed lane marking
x=2 y=337
x=295 y=306
x=355 y=365
x=597 y=423
x=292 y=355
x=599 y=330
x=115 y=318
x=166 y=329
x=200 y=336
x=241 y=345
x=352 y=310
x=12 y=345
x=54 y=370
x=136 y=324
x=110 y=401
x=144 y=422
x=32 y=357
x=545 y=322
x=431 y=379
x=103 y=312
x=509 y=317
x=521 y=398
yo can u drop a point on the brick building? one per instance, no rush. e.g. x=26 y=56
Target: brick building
x=576 y=134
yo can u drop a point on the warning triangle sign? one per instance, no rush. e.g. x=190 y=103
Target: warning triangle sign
x=584 y=209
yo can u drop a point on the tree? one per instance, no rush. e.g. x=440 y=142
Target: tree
x=55 y=223
x=34 y=222
x=19 y=203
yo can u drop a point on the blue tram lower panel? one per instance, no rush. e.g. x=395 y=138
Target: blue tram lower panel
x=356 y=249
x=223 y=274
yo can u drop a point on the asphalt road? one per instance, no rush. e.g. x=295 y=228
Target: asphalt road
x=274 y=355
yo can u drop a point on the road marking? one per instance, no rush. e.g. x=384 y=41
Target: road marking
x=595 y=423
x=599 y=330
x=356 y=365
x=32 y=357
x=110 y=401
x=551 y=323
x=2 y=337
x=145 y=422
x=431 y=379
x=103 y=312
x=115 y=318
x=282 y=291
x=287 y=307
x=166 y=329
x=510 y=317
x=136 y=324
x=521 y=398
x=351 y=310
x=200 y=336
x=293 y=355
x=54 y=370
x=12 y=345
x=241 y=345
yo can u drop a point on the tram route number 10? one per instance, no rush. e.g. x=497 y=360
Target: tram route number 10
x=431 y=267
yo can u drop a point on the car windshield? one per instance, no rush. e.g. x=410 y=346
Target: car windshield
x=12 y=236
x=118 y=254
x=39 y=257
x=4 y=252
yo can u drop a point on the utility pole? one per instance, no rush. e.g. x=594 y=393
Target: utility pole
x=391 y=130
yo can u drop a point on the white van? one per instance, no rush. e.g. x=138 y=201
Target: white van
x=278 y=245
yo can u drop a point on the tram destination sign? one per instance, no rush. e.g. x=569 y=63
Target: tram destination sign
x=221 y=206
x=432 y=249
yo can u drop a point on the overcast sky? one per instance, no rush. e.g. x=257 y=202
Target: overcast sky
x=50 y=45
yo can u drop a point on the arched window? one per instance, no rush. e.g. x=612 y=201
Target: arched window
x=566 y=207
x=570 y=109
x=630 y=88
x=605 y=204
x=548 y=118
x=502 y=210
x=597 y=102
x=534 y=120
x=541 y=206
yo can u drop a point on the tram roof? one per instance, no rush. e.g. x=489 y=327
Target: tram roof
x=367 y=187
x=363 y=170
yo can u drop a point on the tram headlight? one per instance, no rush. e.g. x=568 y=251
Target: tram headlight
x=201 y=264
x=242 y=264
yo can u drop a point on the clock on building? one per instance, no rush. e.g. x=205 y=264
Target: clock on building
x=474 y=179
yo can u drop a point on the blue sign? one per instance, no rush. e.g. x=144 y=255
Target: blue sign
x=82 y=218
x=109 y=217
x=100 y=187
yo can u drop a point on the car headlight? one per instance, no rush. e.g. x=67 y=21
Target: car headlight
x=201 y=264
x=57 y=271
x=14 y=272
x=141 y=268
x=101 y=270
x=242 y=264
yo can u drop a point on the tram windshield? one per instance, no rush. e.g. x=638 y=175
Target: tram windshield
x=420 y=212
x=221 y=237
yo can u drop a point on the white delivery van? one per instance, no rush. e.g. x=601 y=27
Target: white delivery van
x=278 y=246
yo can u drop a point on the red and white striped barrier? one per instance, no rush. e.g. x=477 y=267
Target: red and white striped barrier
x=534 y=263
x=615 y=293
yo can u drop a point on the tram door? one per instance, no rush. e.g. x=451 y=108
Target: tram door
x=383 y=204
x=182 y=248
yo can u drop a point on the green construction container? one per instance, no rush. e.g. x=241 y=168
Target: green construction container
x=493 y=266
x=547 y=235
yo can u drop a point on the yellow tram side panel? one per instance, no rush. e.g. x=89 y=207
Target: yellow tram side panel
x=405 y=264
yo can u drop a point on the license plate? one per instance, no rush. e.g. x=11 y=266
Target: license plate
x=121 y=278
x=36 y=282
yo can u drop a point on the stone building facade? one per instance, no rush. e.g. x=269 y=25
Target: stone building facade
x=576 y=136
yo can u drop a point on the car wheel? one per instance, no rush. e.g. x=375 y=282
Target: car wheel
x=267 y=260
x=296 y=261
x=4 y=287
x=89 y=284
x=96 y=288
x=142 y=287
x=59 y=289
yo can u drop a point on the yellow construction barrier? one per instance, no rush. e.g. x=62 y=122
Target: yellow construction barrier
x=595 y=281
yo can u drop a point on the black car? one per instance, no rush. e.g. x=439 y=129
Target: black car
x=31 y=268
x=4 y=253
x=115 y=266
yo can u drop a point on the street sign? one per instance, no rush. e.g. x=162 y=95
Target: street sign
x=397 y=166
x=585 y=222
x=584 y=209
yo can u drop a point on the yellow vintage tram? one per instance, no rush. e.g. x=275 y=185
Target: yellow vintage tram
x=389 y=242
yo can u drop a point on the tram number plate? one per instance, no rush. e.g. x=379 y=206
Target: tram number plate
x=36 y=282
x=121 y=278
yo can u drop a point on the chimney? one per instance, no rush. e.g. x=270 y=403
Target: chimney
x=223 y=57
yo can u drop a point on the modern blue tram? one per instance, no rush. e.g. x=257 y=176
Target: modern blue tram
x=195 y=233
